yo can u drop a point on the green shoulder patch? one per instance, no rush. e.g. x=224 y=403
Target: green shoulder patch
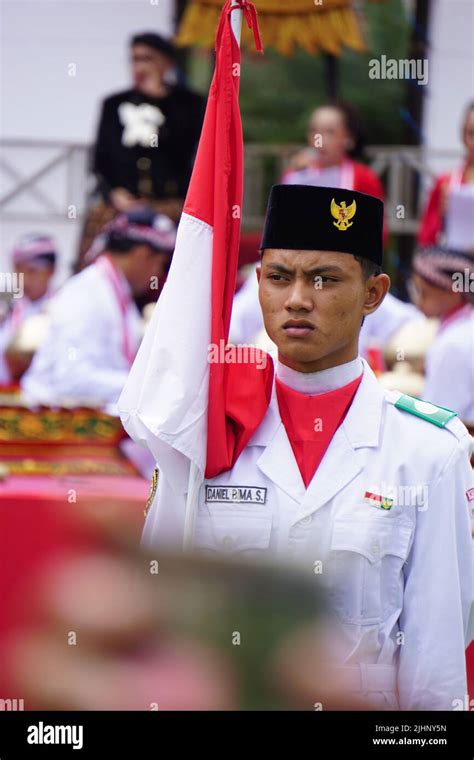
x=438 y=415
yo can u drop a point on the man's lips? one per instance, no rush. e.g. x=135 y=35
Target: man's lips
x=298 y=328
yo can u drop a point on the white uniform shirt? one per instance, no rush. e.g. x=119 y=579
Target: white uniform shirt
x=331 y=176
x=83 y=359
x=25 y=308
x=380 y=326
x=399 y=580
x=246 y=320
x=449 y=366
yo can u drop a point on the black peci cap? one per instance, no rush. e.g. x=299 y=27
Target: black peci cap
x=307 y=218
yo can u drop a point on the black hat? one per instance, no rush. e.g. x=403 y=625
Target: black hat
x=155 y=41
x=306 y=218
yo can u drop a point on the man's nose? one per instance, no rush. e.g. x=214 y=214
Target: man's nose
x=300 y=297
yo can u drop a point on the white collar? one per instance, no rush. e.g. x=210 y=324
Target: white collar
x=313 y=383
x=361 y=425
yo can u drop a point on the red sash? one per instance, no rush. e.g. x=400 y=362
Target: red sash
x=123 y=300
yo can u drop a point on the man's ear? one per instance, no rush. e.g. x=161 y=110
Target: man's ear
x=377 y=287
x=258 y=272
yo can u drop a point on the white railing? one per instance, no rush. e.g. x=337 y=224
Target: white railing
x=47 y=181
x=406 y=171
x=43 y=180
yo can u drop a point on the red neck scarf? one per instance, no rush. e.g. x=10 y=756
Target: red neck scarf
x=311 y=421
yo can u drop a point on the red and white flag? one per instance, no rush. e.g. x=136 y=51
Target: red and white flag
x=196 y=413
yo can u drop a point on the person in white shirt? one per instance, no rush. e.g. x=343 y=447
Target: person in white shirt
x=34 y=262
x=443 y=287
x=246 y=321
x=96 y=326
x=383 y=324
x=368 y=488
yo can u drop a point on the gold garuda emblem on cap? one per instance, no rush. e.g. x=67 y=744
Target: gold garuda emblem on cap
x=343 y=214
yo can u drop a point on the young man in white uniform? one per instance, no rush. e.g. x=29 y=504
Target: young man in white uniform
x=34 y=262
x=95 y=324
x=368 y=485
x=443 y=287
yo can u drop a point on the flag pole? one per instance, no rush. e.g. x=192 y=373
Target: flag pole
x=236 y=20
x=195 y=477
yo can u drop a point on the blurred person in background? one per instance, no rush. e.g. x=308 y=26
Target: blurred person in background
x=380 y=327
x=432 y=225
x=34 y=262
x=246 y=320
x=96 y=326
x=147 y=137
x=336 y=137
x=449 y=363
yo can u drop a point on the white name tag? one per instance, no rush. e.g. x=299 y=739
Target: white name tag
x=236 y=494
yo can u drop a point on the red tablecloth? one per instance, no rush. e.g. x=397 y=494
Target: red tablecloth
x=46 y=489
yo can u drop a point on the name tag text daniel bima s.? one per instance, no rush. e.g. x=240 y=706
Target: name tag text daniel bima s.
x=236 y=494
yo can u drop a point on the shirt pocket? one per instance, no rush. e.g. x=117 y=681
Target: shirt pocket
x=233 y=533
x=365 y=563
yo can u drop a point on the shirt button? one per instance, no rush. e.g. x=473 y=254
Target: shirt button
x=306 y=520
x=228 y=542
x=375 y=548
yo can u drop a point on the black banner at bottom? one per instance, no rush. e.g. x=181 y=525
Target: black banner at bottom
x=138 y=734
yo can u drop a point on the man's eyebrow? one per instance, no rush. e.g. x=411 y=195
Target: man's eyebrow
x=334 y=268
x=279 y=268
x=323 y=269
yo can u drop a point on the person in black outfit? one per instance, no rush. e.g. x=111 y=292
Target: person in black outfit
x=147 y=138
x=148 y=135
